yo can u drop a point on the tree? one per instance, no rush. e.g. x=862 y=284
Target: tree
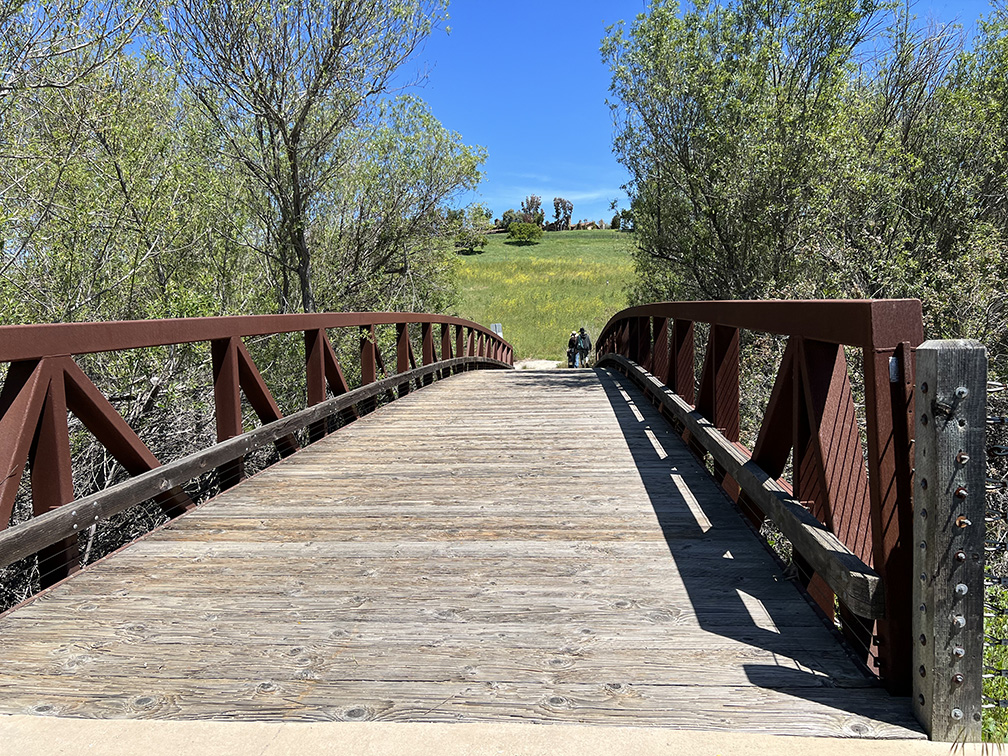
x=283 y=83
x=532 y=210
x=54 y=45
x=562 y=211
x=525 y=233
x=383 y=241
x=509 y=217
x=764 y=162
x=725 y=117
x=473 y=225
x=116 y=205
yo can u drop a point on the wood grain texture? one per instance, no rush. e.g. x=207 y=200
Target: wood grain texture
x=950 y=476
x=501 y=545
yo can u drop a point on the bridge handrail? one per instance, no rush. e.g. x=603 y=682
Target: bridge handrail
x=864 y=496
x=44 y=383
x=37 y=341
x=63 y=522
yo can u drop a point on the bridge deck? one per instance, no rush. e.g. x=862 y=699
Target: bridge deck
x=498 y=546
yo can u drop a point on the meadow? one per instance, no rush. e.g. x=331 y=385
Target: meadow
x=541 y=292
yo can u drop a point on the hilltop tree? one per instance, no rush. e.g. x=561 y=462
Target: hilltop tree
x=283 y=83
x=525 y=233
x=531 y=208
x=562 y=210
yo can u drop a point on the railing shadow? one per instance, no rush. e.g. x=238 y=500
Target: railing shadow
x=744 y=595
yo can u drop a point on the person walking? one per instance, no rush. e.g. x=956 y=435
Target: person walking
x=583 y=347
x=571 y=349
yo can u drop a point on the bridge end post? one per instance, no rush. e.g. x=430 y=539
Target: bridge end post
x=948 y=544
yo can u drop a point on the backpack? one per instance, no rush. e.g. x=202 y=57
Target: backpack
x=585 y=341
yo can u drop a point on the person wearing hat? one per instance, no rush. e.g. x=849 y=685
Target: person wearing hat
x=571 y=349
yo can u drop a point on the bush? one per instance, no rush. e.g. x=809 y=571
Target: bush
x=525 y=233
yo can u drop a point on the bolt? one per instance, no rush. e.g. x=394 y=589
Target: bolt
x=962 y=458
x=960 y=556
x=923 y=639
x=922 y=671
x=959 y=621
x=924 y=387
x=924 y=484
x=957 y=714
x=963 y=521
x=924 y=513
x=923 y=608
x=961 y=492
x=958 y=678
x=923 y=545
x=962 y=589
x=923 y=577
x=962 y=392
x=920 y=699
x=958 y=652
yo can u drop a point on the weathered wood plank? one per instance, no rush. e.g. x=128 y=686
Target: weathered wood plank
x=857 y=585
x=949 y=511
x=547 y=555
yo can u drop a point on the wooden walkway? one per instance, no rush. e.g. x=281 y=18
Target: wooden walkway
x=504 y=545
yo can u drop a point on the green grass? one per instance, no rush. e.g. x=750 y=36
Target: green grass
x=541 y=292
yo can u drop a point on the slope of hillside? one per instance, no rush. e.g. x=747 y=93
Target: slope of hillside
x=541 y=292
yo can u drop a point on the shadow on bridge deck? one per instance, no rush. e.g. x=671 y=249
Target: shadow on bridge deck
x=767 y=611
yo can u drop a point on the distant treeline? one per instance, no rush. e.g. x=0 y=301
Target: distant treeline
x=798 y=148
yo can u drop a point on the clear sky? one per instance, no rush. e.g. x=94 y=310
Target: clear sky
x=525 y=80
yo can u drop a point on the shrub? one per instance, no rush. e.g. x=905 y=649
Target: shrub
x=525 y=233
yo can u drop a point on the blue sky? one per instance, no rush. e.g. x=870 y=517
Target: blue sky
x=525 y=80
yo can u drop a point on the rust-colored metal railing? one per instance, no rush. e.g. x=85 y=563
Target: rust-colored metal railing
x=859 y=493
x=44 y=383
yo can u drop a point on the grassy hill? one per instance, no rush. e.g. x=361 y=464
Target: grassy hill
x=541 y=292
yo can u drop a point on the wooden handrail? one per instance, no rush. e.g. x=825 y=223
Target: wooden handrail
x=44 y=384
x=63 y=522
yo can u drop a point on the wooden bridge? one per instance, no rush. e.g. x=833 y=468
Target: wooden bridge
x=537 y=546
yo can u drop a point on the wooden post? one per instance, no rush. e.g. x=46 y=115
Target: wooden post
x=369 y=363
x=227 y=402
x=315 y=376
x=427 y=348
x=446 y=348
x=644 y=343
x=660 y=349
x=52 y=480
x=403 y=354
x=948 y=544
x=682 y=372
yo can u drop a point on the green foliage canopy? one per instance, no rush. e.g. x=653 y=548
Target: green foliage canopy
x=525 y=233
x=772 y=156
